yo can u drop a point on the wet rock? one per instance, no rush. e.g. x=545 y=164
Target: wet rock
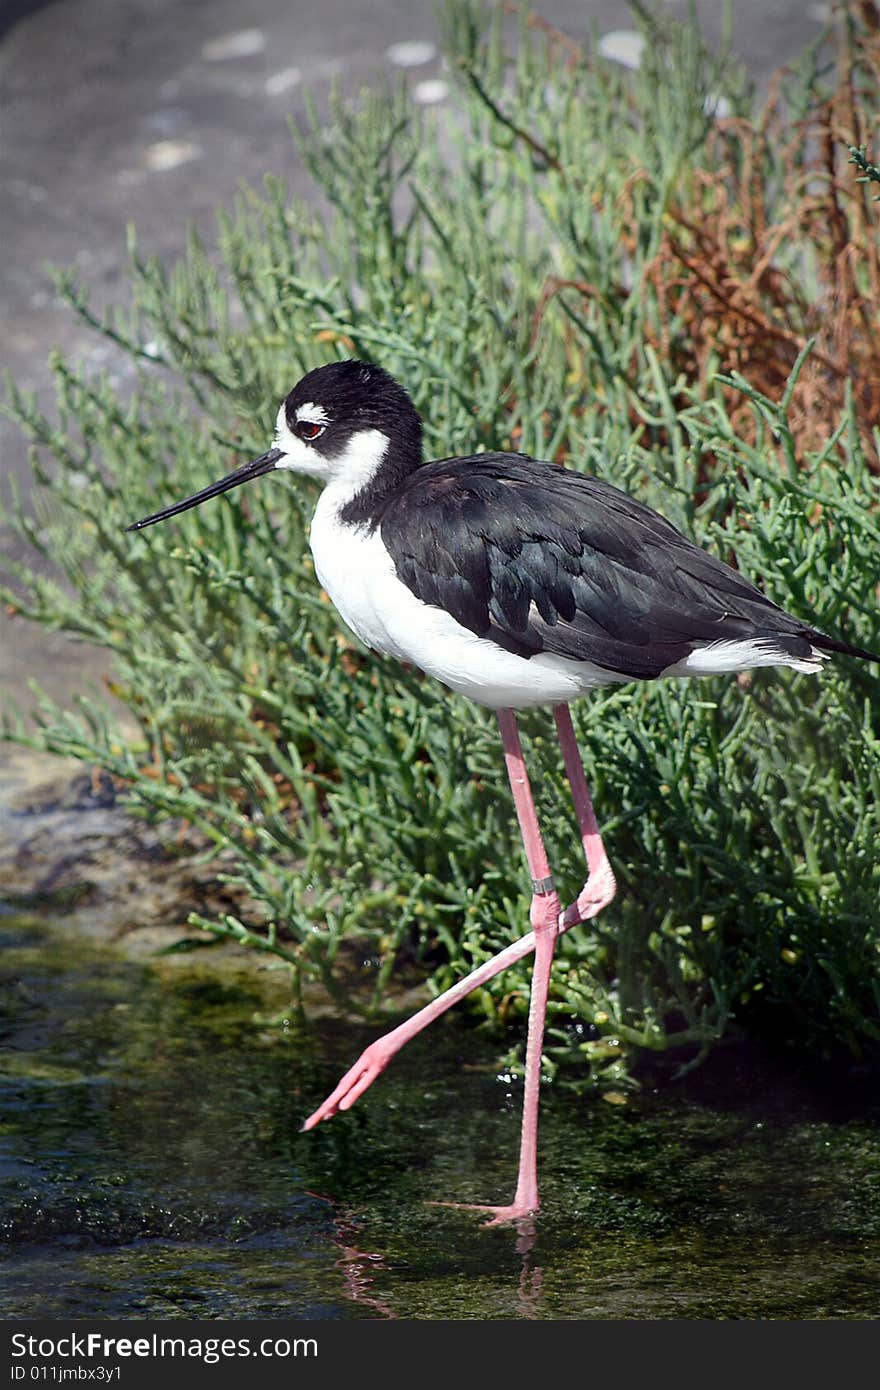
x=70 y=849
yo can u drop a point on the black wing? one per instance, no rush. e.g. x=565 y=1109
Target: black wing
x=541 y=559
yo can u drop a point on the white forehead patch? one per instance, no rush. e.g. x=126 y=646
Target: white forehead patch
x=296 y=454
x=314 y=414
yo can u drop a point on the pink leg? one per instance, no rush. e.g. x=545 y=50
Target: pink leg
x=601 y=885
x=375 y=1058
x=545 y=914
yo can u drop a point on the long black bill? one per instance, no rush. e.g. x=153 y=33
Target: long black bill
x=264 y=464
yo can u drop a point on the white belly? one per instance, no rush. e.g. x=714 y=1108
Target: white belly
x=359 y=576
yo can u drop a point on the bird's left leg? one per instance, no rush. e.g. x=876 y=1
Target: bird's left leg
x=545 y=918
x=547 y=923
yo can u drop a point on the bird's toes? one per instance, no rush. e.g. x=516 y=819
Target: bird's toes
x=498 y=1216
x=371 y=1063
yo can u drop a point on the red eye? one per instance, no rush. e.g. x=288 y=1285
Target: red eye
x=308 y=429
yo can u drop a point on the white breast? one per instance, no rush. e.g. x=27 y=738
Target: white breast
x=357 y=572
x=351 y=563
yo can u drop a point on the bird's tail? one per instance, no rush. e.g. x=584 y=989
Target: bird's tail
x=832 y=644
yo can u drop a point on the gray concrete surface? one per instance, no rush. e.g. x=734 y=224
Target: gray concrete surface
x=153 y=112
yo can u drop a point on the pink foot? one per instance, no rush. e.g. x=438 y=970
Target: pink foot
x=499 y=1216
x=371 y=1063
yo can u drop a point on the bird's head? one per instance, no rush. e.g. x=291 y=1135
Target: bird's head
x=339 y=423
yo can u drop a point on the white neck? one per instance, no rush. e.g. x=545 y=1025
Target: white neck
x=356 y=467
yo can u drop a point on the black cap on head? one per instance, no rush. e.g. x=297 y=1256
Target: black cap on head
x=358 y=396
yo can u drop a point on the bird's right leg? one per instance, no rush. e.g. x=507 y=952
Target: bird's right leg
x=601 y=884
x=375 y=1058
x=595 y=895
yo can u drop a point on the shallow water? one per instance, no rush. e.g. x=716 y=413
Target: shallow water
x=151 y=1165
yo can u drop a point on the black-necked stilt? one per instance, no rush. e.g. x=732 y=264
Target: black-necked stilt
x=516 y=583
